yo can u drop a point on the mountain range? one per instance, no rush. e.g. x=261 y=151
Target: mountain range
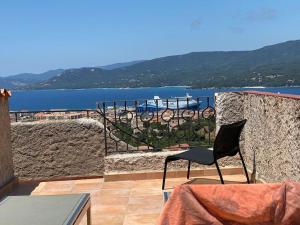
x=274 y=65
x=27 y=80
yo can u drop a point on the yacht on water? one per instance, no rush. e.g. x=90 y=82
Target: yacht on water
x=185 y=102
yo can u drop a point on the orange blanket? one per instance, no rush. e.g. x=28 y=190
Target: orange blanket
x=233 y=204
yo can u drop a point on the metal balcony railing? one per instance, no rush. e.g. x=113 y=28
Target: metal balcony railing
x=157 y=125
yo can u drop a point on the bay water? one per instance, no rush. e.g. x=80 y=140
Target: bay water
x=86 y=98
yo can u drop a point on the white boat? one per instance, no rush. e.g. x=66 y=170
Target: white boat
x=186 y=102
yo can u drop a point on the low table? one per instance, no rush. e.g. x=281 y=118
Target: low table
x=45 y=209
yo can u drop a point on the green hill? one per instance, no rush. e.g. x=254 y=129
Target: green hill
x=274 y=65
x=24 y=80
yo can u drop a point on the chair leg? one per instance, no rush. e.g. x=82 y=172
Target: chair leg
x=189 y=169
x=165 y=173
x=88 y=216
x=219 y=171
x=245 y=169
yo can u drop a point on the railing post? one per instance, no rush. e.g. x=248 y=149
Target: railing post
x=125 y=108
x=157 y=124
x=209 y=119
x=104 y=123
x=136 y=121
x=178 y=113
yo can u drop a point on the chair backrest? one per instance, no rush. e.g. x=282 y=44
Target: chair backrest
x=227 y=139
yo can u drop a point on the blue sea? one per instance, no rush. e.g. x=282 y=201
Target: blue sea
x=87 y=98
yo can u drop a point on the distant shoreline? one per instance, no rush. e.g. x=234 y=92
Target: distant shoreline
x=181 y=86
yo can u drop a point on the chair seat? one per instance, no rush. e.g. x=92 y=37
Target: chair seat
x=199 y=155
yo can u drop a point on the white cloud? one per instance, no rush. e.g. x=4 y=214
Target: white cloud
x=236 y=30
x=196 y=24
x=261 y=15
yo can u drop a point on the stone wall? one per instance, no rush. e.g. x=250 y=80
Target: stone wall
x=6 y=163
x=272 y=132
x=44 y=150
x=229 y=107
x=154 y=161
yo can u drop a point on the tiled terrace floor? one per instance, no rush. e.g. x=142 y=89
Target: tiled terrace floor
x=119 y=202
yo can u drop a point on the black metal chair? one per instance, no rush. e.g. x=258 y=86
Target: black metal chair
x=226 y=144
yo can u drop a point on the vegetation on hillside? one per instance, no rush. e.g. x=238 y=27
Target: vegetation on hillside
x=274 y=65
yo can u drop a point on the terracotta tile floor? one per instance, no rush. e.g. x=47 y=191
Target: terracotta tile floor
x=119 y=202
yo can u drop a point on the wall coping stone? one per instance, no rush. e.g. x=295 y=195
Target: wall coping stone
x=78 y=121
x=5 y=93
x=145 y=154
x=296 y=97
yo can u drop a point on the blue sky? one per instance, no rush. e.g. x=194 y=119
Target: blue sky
x=36 y=36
